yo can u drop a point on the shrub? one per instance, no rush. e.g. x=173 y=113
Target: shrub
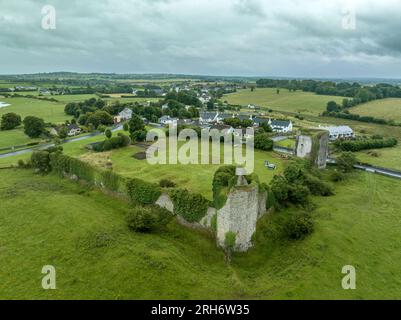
x=229 y=240
x=108 y=133
x=191 y=206
x=346 y=161
x=263 y=142
x=298 y=194
x=318 y=187
x=41 y=161
x=113 y=143
x=280 y=189
x=33 y=126
x=165 y=183
x=143 y=192
x=337 y=176
x=147 y=219
x=139 y=136
x=10 y=121
x=220 y=184
x=24 y=165
x=110 y=180
x=298 y=225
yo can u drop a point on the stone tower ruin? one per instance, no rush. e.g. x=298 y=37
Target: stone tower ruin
x=313 y=145
x=245 y=204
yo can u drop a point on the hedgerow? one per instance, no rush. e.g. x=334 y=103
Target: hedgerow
x=63 y=164
x=365 y=144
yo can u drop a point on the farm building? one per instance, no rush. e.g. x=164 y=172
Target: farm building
x=339 y=132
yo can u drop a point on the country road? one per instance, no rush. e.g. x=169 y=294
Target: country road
x=48 y=145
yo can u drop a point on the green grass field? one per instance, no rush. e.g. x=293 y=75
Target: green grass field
x=47 y=110
x=46 y=220
x=302 y=102
x=14 y=137
x=389 y=109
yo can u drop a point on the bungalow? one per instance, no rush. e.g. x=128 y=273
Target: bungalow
x=167 y=120
x=72 y=130
x=339 y=132
x=282 y=126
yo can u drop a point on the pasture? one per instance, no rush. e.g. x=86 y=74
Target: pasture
x=296 y=102
x=47 y=110
x=82 y=232
x=389 y=109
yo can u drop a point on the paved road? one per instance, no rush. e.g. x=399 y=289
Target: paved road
x=48 y=145
x=383 y=171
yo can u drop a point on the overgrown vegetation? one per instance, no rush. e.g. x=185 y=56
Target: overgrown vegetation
x=191 y=206
x=143 y=192
x=148 y=218
x=120 y=141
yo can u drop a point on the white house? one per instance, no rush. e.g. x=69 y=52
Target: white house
x=72 y=130
x=126 y=114
x=167 y=120
x=282 y=126
x=339 y=132
x=208 y=117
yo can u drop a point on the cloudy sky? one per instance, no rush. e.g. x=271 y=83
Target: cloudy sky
x=302 y=38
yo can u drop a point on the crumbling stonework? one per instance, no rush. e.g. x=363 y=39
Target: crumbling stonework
x=239 y=215
x=207 y=220
x=165 y=201
x=313 y=147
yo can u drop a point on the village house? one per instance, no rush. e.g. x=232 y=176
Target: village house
x=282 y=126
x=72 y=130
x=339 y=132
x=124 y=115
x=167 y=120
x=208 y=117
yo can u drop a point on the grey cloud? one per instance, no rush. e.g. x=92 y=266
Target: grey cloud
x=234 y=37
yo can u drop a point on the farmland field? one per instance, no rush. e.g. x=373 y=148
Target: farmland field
x=14 y=137
x=83 y=234
x=389 y=109
x=302 y=102
x=47 y=110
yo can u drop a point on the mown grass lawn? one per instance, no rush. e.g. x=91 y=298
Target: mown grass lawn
x=389 y=109
x=45 y=220
x=298 y=102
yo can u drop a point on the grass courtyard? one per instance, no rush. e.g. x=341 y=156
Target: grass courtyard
x=82 y=232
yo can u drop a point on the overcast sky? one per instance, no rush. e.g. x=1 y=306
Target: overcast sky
x=301 y=38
